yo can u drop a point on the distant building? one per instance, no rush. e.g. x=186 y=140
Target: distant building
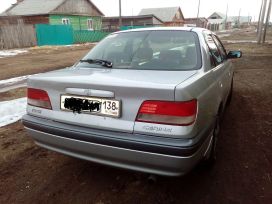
x=196 y=22
x=219 y=21
x=171 y=16
x=217 y=15
x=80 y=14
x=240 y=21
x=112 y=23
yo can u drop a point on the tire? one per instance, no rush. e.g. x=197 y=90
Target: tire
x=230 y=93
x=210 y=159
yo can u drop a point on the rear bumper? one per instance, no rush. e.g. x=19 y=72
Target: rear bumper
x=156 y=155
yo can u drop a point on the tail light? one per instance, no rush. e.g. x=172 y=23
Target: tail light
x=167 y=112
x=38 y=98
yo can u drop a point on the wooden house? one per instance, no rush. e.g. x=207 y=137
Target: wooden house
x=80 y=14
x=171 y=16
x=112 y=23
x=196 y=22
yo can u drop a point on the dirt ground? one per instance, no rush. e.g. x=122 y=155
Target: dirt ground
x=248 y=34
x=242 y=174
x=41 y=59
x=13 y=94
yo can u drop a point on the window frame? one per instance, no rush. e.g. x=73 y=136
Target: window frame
x=214 y=62
x=65 y=21
x=90 y=20
x=220 y=47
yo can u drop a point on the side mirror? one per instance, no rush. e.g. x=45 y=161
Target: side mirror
x=234 y=54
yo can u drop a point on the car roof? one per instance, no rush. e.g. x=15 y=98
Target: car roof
x=193 y=29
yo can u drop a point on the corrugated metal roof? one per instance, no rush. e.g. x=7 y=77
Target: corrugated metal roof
x=165 y=14
x=33 y=7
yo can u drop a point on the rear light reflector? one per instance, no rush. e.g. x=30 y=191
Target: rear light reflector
x=38 y=98
x=168 y=112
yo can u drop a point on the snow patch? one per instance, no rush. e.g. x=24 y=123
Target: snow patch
x=228 y=31
x=241 y=41
x=12 y=111
x=8 y=53
x=223 y=35
x=12 y=83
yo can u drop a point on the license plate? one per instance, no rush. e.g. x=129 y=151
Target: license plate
x=98 y=106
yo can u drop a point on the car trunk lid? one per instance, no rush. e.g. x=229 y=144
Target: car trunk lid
x=131 y=87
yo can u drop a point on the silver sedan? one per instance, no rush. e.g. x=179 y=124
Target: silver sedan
x=149 y=100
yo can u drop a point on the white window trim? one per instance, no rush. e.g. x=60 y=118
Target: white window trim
x=65 y=21
x=88 y=20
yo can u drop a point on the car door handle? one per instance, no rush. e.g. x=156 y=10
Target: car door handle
x=90 y=92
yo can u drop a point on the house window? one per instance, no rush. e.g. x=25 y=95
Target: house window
x=90 y=24
x=65 y=21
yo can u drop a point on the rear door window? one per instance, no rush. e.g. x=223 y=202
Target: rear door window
x=220 y=47
x=215 y=54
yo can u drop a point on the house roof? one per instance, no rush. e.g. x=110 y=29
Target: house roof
x=34 y=7
x=223 y=16
x=203 y=19
x=133 y=17
x=166 y=14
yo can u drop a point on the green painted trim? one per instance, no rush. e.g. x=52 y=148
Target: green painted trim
x=77 y=22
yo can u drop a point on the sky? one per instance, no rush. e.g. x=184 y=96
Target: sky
x=188 y=7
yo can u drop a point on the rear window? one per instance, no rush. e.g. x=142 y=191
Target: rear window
x=149 y=50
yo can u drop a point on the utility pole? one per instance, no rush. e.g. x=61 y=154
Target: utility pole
x=226 y=21
x=238 y=20
x=259 y=37
x=197 y=19
x=120 y=14
x=260 y=14
x=267 y=19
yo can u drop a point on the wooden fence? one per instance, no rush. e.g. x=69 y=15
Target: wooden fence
x=17 y=36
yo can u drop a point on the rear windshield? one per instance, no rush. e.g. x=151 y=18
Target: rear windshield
x=149 y=50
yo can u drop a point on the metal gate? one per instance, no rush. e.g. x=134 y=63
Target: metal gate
x=54 y=34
